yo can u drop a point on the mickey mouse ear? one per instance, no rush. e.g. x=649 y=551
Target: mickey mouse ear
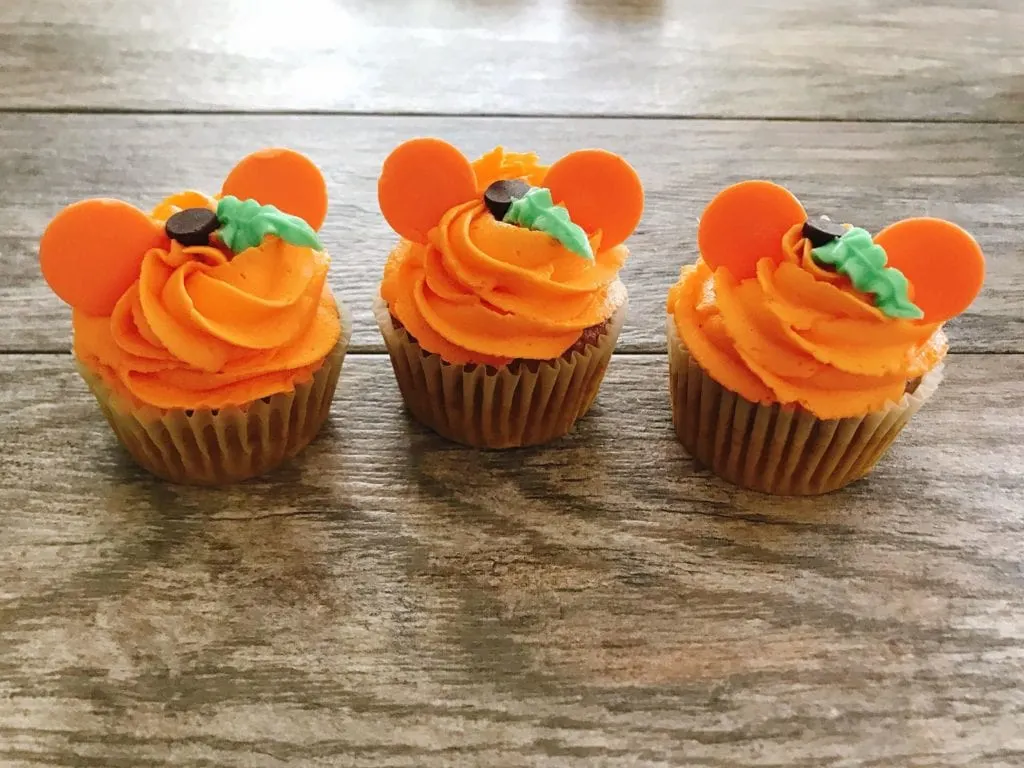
x=600 y=190
x=746 y=222
x=943 y=263
x=420 y=181
x=92 y=252
x=283 y=178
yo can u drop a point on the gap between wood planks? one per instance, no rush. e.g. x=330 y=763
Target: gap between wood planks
x=695 y=117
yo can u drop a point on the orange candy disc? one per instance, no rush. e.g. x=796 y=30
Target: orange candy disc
x=601 y=191
x=420 y=181
x=943 y=263
x=92 y=252
x=284 y=178
x=745 y=223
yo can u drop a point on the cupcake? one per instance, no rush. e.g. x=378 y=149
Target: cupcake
x=501 y=304
x=799 y=348
x=206 y=329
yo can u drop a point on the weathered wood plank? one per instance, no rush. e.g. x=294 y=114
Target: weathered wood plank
x=395 y=601
x=874 y=174
x=873 y=59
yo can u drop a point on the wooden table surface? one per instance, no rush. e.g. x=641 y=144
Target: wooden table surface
x=393 y=600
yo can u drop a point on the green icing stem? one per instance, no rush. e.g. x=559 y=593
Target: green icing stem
x=244 y=224
x=858 y=257
x=537 y=211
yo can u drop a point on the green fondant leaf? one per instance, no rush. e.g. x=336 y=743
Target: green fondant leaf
x=245 y=223
x=537 y=211
x=858 y=257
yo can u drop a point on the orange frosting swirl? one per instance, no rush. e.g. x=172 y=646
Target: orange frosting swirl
x=198 y=330
x=798 y=334
x=482 y=291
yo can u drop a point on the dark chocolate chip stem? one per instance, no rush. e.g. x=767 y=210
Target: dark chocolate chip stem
x=822 y=231
x=500 y=194
x=192 y=226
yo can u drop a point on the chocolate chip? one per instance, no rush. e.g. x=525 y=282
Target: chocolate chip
x=500 y=194
x=192 y=226
x=822 y=231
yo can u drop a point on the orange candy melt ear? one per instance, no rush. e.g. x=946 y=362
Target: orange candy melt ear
x=421 y=180
x=284 y=178
x=746 y=222
x=92 y=252
x=601 y=191
x=943 y=263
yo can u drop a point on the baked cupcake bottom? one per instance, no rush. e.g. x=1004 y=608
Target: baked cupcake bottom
x=527 y=402
x=775 y=449
x=217 y=447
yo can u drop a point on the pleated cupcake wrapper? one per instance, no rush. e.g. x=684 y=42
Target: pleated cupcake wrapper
x=775 y=449
x=531 y=404
x=218 y=446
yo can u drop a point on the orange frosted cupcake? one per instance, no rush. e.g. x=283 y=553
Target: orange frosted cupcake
x=799 y=348
x=206 y=328
x=501 y=305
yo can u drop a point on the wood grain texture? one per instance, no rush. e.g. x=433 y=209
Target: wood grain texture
x=870 y=59
x=870 y=174
x=392 y=600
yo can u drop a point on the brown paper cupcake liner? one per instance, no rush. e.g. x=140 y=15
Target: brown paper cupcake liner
x=775 y=449
x=513 y=406
x=219 y=446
